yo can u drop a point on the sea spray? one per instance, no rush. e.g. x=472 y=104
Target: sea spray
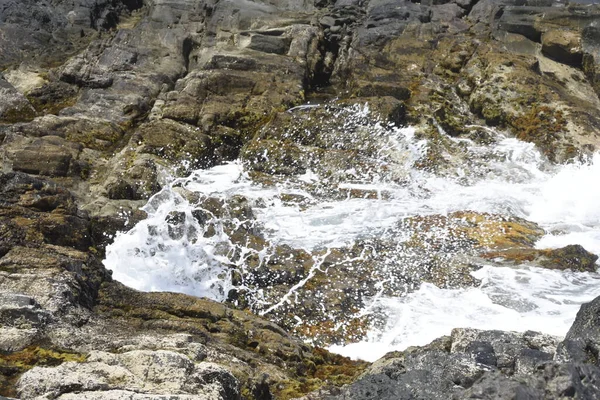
x=182 y=246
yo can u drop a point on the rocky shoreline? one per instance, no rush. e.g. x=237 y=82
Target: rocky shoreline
x=102 y=100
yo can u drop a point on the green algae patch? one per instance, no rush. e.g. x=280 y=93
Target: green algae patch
x=22 y=114
x=541 y=125
x=572 y=257
x=13 y=365
x=43 y=106
x=325 y=370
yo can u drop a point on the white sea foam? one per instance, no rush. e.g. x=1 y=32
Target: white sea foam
x=508 y=299
x=509 y=177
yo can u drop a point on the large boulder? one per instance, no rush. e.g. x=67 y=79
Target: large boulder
x=582 y=343
x=454 y=366
x=474 y=364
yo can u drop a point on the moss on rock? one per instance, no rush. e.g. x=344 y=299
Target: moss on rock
x=13 y=365
x=541 y=125
x=573 y=257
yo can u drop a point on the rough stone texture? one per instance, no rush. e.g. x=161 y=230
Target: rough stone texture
x=141 y=371
x=101 y=99
x=582 y=341
x=14 y=106
x=58 y=304
x=563 y=46
x=472 y=364
x=573 y=257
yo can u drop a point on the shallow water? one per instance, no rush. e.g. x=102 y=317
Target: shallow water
x=507 y=177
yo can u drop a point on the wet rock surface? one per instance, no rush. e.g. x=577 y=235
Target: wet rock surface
x=101 y=102
x=69 y=330
x=473 y=364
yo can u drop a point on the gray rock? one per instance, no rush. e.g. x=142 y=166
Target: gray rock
x=17 y=310
x=582 y=342
x=268 y=44
x=144 y=372
x=446 y=12
x=552 y=381
x=14 y=106
x=563 y=46
x=389 y=18
x=528 y=360
x=49 y=30
x=502 y=349
x=16 y=339
x=495 y=385
x=469 y=364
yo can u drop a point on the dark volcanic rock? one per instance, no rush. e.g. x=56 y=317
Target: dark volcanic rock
x=473 y=364
x=469 y=362
x=582 y=343
x=49 y=31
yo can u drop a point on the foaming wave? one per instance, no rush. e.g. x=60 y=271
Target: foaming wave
x=171 y=249
x=509 y=299
x=570 y=198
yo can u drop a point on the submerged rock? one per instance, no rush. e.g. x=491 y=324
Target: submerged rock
x=573 y=257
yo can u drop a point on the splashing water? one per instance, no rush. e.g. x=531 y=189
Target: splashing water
x=185 y=246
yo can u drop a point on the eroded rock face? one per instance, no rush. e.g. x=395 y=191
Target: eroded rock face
x=430 y=59
x=101 y=100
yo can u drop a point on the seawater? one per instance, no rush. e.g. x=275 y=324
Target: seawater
x=506 y=177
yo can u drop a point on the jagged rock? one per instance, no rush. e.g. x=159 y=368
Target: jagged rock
x=468 y=359
x=141 y=371
x=548 y=381
x=507 y=351
x=19 y=310
x=582 y=342
x=59 y=304
x=51 y=30
x=474 y=364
